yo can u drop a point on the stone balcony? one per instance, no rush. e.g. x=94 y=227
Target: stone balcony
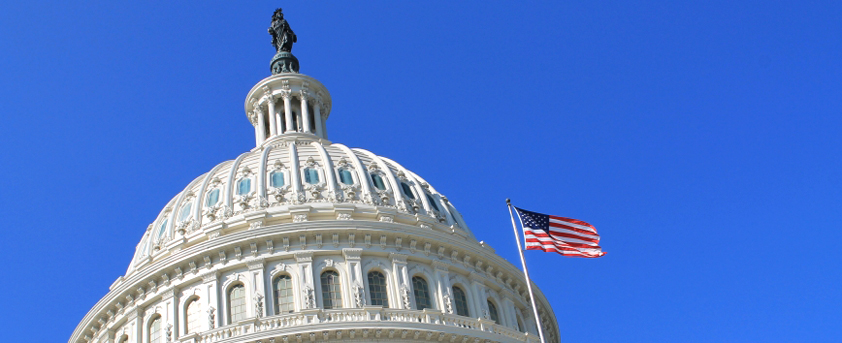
x=372 y=323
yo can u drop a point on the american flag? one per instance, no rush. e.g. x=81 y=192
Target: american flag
x=566 y=236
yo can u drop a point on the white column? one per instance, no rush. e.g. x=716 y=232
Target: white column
x=259 y=291
x=355 y=276
x=479 y=296
x=401 y=280
x=305 y=113
x=136 y=335
x=261 y=121
x=307 y=299
x=287 y=96
x=170 y=312
x=443 y=287
x=318 y=116
x=273 y=125
x=211 y=283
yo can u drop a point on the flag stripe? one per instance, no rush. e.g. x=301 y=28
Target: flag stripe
x=562 y=235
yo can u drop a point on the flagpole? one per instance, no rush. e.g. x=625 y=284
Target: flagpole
x=526 y=272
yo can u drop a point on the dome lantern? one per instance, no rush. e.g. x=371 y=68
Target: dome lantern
x=287 y=104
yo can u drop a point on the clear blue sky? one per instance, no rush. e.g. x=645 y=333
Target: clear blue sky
x=702 y=139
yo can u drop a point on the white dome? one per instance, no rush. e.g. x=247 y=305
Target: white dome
x=301 y=239
x=269 y=185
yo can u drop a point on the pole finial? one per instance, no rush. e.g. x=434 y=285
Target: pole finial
x=508 y=201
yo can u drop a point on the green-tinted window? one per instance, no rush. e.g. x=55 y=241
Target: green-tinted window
x=185 y=212
x=407 y=190
x=213 y=197
x=311 y=175
x=345 y=177
x=378 y=182
x=244 y=187
x=277 y=179
x=433 y=202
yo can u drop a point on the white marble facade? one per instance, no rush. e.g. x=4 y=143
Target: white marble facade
x=298 y=206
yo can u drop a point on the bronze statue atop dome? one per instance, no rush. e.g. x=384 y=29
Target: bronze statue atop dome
x=282 y=35
x=282 y=39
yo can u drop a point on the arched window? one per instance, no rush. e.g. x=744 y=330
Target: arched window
x=276 y=179
x=295 y=121
x=124 y=339
x=331 y=290
x=311 y=175
x=193 y=316
x=345 y=177
x=213 y=197
x=185 y=211
x=407 y=190
x=520 y=326
x=282 y=288
x=162 y=228
x=236 y=303
x=244 y=186
x=433 y=202
x=377 y=289
x=378 y=182
x=461 y=301
x=421 y=292
x=155 y=334
x=492 y=312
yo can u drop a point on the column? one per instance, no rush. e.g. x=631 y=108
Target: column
x=318 y=116
x=305 y=113
x=257 y=280
x=443 y=290
x=355 y=276
x=401 y=281
x=273 y=123
x=509 y=311
x=135 y=319
x=261 y=121
x=304 y=261
x=210 y=281
x=479 y=297
x=287 y=96
x=170 y=313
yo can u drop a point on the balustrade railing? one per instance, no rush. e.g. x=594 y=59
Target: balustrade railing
x=357 y=315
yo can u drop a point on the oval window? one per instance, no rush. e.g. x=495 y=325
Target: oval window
x=213 y=197
x=407 y=190
x=277 y=179
x=433 y=202
x=378 y=182
x=244 y=187
x=345 y=177
x=311 y=175
x=185 y=211
x=162 y=228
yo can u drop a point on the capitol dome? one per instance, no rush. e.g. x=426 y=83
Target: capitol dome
x=303 y=239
